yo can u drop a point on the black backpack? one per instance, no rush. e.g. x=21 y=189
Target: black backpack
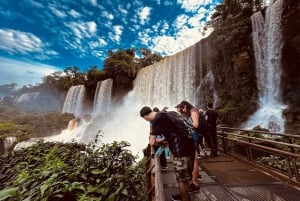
x=178 y=120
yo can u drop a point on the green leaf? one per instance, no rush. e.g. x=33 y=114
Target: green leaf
x=43 y=188
x=98 y=171
x=7 y=193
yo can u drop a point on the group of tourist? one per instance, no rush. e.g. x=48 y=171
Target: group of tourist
x=182 y=133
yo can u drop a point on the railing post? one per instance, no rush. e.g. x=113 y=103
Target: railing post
x=223 y=134
x=295 y=169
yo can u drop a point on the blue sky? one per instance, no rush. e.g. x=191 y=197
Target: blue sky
x=40 y=37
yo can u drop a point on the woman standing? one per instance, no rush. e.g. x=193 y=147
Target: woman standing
x=192 y=115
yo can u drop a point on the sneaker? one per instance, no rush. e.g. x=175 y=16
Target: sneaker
x=164 y=169
x=199 y=177
x=214 y=154
x=176 y=197
x=193 y=188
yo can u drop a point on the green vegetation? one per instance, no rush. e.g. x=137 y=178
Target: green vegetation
x=69 y=172
x=31 y=124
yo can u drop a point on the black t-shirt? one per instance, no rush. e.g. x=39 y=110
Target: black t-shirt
x=212 y=116
x=176 y=134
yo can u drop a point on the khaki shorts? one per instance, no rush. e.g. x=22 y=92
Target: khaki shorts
x=183 y=167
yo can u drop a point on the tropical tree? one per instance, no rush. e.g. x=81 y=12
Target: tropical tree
x=148 y=58
x=121 y=67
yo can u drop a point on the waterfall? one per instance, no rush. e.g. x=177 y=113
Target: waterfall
x=169 y=81
x=74 y=100
x=102 y=100
x=8 y=142
x=267 y=42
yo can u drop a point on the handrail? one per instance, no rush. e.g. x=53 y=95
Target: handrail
x=262 y=132
x=255 y=150
x=155 y=189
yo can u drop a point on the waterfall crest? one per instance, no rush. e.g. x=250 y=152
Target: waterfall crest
x=169 y=81
x=267 y=42
x=74 y=100
x=102 y=100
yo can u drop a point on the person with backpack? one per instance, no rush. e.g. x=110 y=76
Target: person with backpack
x=192 y=115
x=178 y=135
x=161 y=147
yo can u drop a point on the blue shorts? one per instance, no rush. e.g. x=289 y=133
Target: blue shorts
x=196 y=137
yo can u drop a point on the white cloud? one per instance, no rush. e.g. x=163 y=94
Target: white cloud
x=122 y=10
x=74 y=13
x=116 y=36
x=14 y=41
x=171 y=45
x=23 y=73
x=35 y=3
x=193 y=5
x=92 y=27
x=83 y=30
x=144 y=14
x=181 y=21
x=93 y=2
x=57 y=12
x=107 y=15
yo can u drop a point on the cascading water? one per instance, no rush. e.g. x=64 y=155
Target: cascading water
x=267 y=41
x=74 y=100
x=8 y=142
x=168 y=82
x=102 y=100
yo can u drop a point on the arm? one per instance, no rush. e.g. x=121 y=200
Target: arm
x=195 y=118
x=152 y=140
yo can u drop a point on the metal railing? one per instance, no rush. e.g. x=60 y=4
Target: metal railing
x=155 y=189
x=276 y=153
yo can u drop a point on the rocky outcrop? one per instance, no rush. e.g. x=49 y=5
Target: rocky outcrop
x=233 y=67
x=291 y=64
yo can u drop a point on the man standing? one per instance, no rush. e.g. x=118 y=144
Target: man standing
x=211 y=118
x=181 y=146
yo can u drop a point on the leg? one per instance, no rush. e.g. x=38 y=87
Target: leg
x=183 y=167
x=201 y=142
x=183 y=188
x=195 y=170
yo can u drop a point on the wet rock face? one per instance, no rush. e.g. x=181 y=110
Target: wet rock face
x=291 y=63
x=233 y=67
x=242 y=63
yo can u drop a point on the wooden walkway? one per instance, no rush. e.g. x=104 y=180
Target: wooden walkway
x=247 y=176
x=226 y=178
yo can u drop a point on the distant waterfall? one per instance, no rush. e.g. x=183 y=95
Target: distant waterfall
x=8 y=142
x=74 y=100
x=169 y=81
x=267 y=41
x=102 y=98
